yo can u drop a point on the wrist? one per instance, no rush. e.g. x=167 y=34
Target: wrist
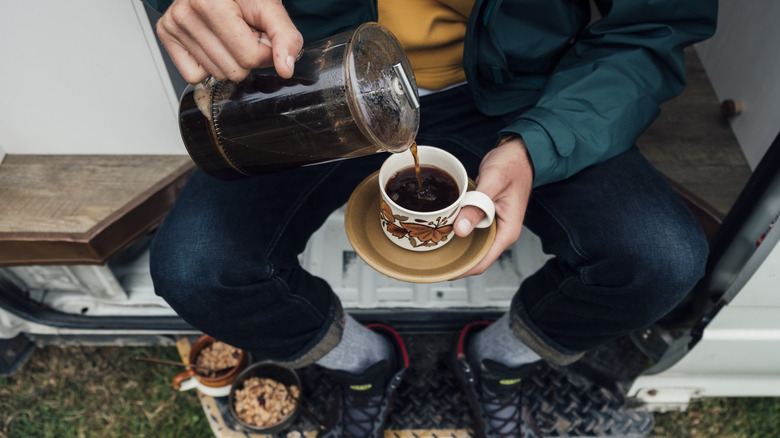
x=521 y=154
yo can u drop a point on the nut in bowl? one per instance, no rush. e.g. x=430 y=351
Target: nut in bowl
x=265 y=397
x=215 y=366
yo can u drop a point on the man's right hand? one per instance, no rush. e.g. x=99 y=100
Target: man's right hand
x=228 y=38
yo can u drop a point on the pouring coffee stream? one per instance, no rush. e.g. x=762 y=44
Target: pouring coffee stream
x=417 y=170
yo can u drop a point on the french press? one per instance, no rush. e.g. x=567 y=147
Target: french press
x=352 y=94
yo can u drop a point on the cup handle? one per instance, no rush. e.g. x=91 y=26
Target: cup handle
x=185 y=380
x=482 y=202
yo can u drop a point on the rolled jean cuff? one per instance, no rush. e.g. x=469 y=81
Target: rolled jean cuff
x=549 y=350
x=327 y=339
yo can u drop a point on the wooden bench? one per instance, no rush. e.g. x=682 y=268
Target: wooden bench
x=82 y=209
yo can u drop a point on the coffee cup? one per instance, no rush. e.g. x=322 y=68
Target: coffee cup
x=422 y=219
x=215 y=386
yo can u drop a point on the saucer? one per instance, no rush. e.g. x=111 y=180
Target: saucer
x=364 y=231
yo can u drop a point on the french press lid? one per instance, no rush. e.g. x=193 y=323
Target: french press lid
x=381 y=89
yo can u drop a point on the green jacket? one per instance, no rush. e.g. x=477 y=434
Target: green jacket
x=578 y=94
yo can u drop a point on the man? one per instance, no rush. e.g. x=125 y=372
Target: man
x=541 y=105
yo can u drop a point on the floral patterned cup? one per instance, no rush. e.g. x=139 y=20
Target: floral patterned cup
x=426 y=231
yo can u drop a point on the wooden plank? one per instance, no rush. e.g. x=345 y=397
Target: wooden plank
x=74 y=193
x=692 y=144
x=82 y=209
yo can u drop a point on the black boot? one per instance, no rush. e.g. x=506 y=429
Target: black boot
x=494 y=392
x=365 y=398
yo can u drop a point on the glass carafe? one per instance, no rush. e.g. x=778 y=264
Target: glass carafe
x=352 y=94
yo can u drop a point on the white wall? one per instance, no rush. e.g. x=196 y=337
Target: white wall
x=83 y=77
x=743 y=63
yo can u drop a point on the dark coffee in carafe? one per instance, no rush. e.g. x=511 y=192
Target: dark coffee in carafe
x=353 y=94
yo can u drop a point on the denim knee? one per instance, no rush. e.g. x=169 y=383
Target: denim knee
x=188 y=268
x=654 y=271
x=284 y=314
x=208 y=288
x=563 y=310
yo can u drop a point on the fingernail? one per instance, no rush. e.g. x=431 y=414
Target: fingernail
x=464 y=225
x=291 y=62
x=265 y=41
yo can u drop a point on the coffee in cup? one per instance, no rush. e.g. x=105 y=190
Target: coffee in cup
x=437 y=190
x=418 y=209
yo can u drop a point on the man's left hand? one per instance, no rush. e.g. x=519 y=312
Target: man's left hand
x=506 y=176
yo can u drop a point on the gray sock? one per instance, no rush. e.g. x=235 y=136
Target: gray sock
x=359 y=349
x=497 y=342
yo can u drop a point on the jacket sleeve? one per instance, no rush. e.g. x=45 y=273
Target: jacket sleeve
x=159 y=5
x=607 y=88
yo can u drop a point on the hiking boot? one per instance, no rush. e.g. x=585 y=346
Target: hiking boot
x=494 y=392
x=365 y=398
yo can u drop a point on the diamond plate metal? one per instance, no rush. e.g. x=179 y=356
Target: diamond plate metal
x=429 y=402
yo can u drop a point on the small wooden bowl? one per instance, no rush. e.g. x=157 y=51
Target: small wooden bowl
x=219 y=381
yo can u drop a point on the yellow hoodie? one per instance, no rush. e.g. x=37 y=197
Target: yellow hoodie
x=432 y=33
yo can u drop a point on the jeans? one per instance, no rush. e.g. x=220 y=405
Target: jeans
x=626 y=249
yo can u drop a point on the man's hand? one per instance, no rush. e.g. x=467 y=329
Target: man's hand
x=506 y=175
x=228 y=38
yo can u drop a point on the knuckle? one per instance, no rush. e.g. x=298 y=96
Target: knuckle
x=161 y=26
x=248 y=60
x=237 y=75
x=180 y=16
x=219 y=75
x=202 y=6
x=166 y=24
x=296 y=38
x=193 y=77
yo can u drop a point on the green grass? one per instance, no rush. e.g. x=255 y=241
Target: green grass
x=98 y=392
x=749 y=417
x=104 y=392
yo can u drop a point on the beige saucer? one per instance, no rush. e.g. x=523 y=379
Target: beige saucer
x=361 y=220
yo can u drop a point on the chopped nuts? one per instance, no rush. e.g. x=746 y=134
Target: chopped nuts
x=217 y=356
x=265 y=402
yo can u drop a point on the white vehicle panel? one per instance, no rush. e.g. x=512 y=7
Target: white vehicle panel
x=84 y=78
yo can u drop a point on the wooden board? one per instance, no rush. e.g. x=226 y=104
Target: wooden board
x=692 y=144
x=82 y=208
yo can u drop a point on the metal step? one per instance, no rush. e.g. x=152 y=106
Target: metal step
x=429 y=402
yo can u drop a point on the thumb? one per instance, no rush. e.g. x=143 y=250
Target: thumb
x=270 y=16
x=468 y=217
